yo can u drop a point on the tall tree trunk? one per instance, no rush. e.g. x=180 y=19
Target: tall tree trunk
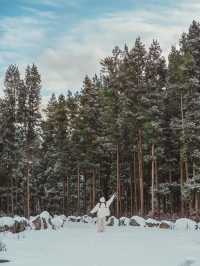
x=197 y=203
x=186 y=170
x=64 y=195
x=93 y=188
x=182 y=184
x=140 y=168
x=85 y=193
x=12 y=196
x=135 y=182
x=28 y=191
x=67 y=195
x=152 y=178
x=171 y=195
x=7 y=202
x=118 y=185
x=78 y=190
x=131 y=189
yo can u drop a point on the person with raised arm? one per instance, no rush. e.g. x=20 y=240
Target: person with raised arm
x=102 y=209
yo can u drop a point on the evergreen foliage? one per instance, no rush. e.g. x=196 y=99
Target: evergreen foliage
x=134 y=129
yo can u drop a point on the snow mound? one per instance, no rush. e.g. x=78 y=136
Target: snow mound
x=185 y=224
x=137 y=221
x=6 y=221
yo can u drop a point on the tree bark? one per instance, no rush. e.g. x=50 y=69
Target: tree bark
x=93 y=188
x=118 y=185
x=135 y=183
x=12 y=196
x=152 y=178
x=140 y=168
x=131 y=189
x=182 y=183
x=28 y=191
x=78 y=190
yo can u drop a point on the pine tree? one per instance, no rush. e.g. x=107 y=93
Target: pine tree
x=33 y=117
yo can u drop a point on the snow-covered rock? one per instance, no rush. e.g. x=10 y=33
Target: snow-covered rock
x=45 y=220
x=57 y=222
x=198 y=226
x=123 y=221
x=45 y=215
x=112 y=221
x=86 y=219
x=166 y=225
x=185 y=224
x=94 y=220
x=20 y=224
x=137 y=221
x=152 y=223
x=63 y=217
x=7 y=221
x=35 y=222
x=7 y=224
x=73 y=219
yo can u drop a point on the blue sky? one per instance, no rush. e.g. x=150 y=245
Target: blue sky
x=67 y=38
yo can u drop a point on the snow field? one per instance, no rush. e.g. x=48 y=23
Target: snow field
x=79 y=244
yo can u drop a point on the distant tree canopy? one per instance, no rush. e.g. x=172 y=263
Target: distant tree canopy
x=134 y=129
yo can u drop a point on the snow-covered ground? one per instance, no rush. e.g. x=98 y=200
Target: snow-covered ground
x=80 y=245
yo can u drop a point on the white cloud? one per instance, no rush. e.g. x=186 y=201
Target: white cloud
x=63 y=63
x=79 y=51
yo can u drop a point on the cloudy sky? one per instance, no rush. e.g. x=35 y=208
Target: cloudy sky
x=67 y=38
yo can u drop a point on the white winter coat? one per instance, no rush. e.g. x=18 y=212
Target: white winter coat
x=102 y=208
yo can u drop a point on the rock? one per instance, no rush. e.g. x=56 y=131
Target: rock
x=165 y=225
x=57 y=222
x=185 y=224
x=123 y=221
x=137 y=221
x=46 y=220
x=44 y=224
x=20 y=224
x=112 y=221
x=63 y=217
x=78 y=219
x=152 y=223
x=36 y=223
x=7 y=224
x=94 y=220
x=86 y=219
x=72 y=219
x=19 y=227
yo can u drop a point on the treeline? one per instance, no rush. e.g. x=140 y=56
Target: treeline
x=134 y=129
